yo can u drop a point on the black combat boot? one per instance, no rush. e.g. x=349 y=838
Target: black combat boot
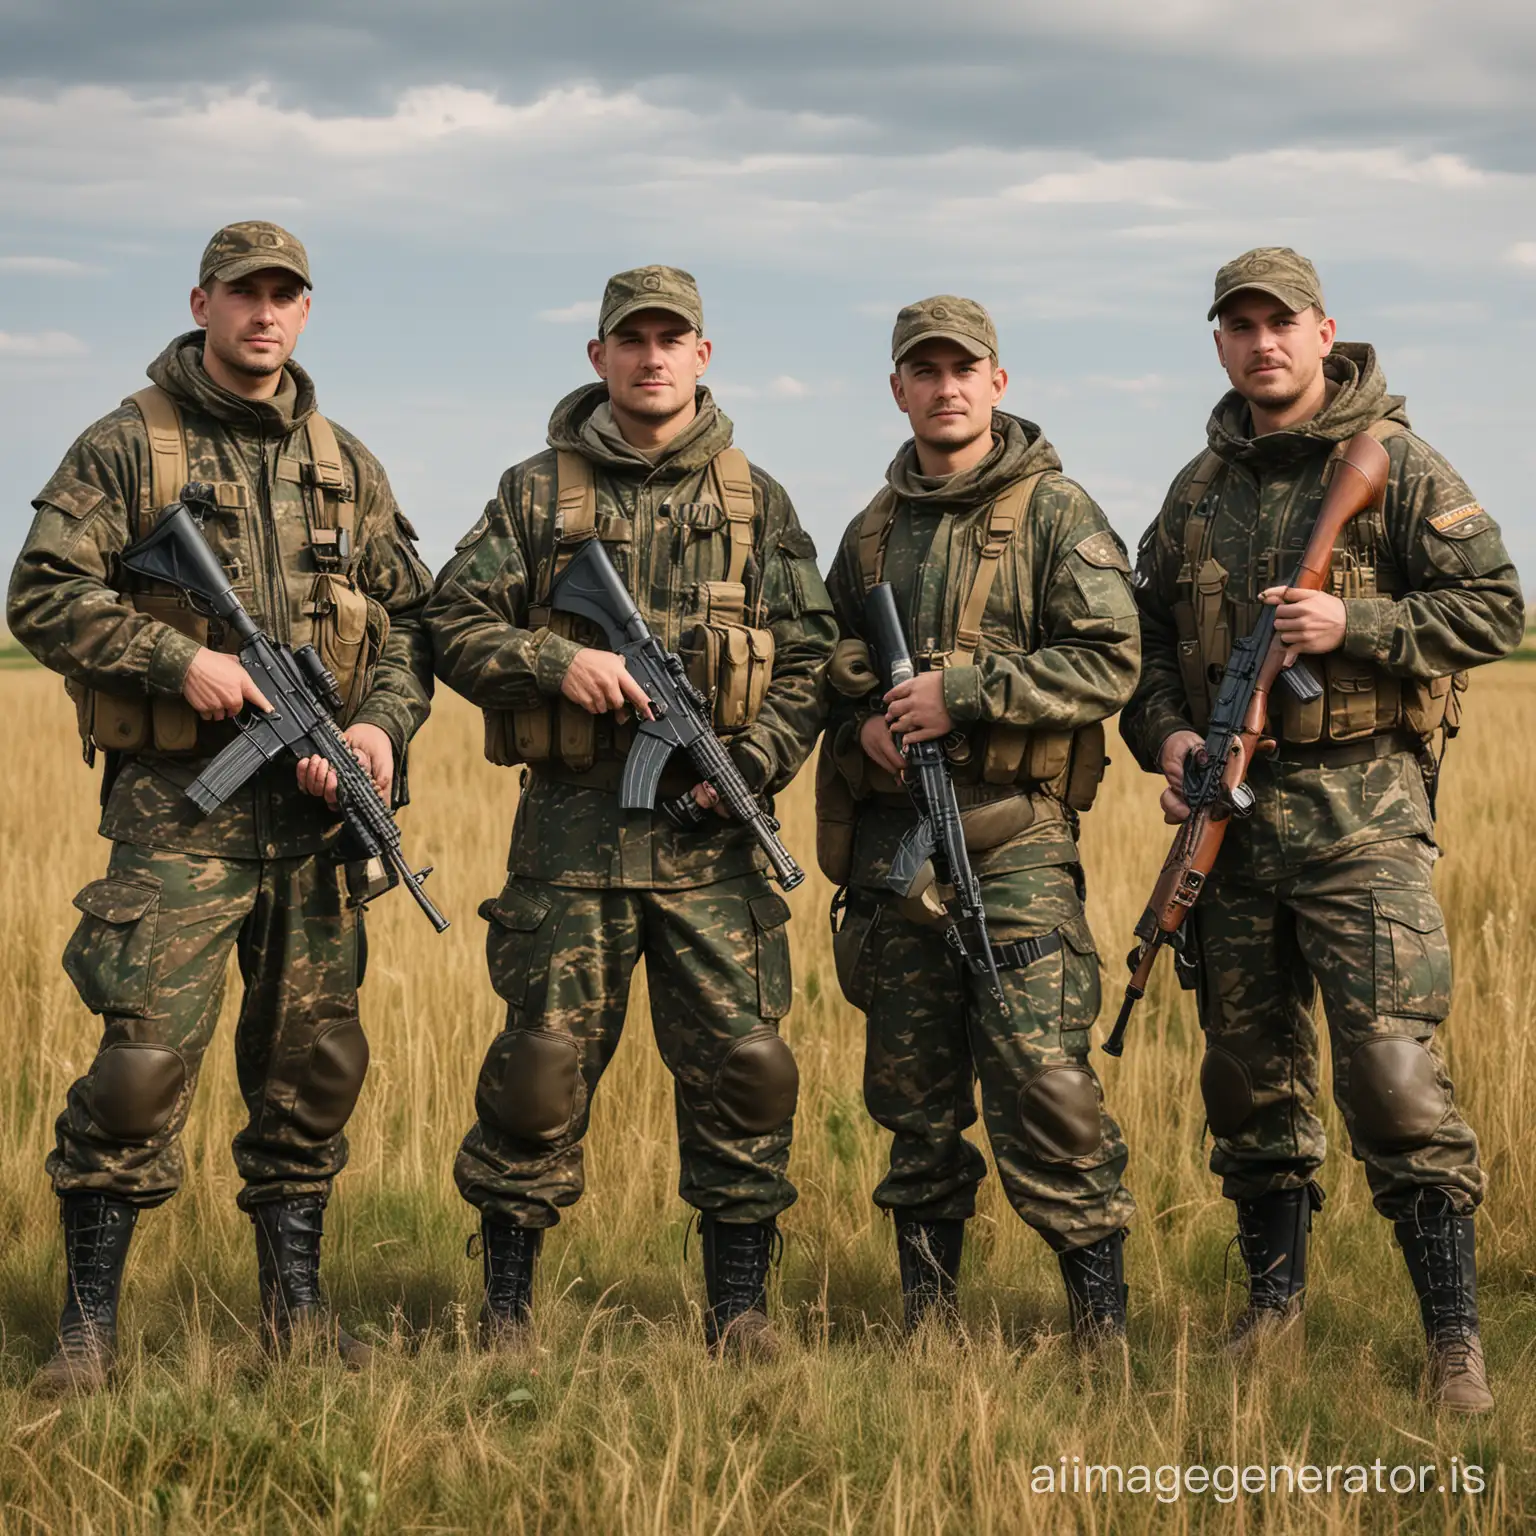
x=1095 y=1280
x=736 y=1259
x=97 y=1230
x=928 y=1253
x=288 y=1274
x=1272 y=1233
x=1440 y=1249
x=507 y=1256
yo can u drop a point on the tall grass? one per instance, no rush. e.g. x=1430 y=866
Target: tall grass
x=619 y=1422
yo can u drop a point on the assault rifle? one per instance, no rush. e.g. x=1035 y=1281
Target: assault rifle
x=297 y=685
x=590 y=588
x=938 y=836
x=1216 y=773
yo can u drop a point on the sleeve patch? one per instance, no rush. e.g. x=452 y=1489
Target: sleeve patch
x=798 y=543
x=1443 y=522
x=72 y=497
x=1104 y=550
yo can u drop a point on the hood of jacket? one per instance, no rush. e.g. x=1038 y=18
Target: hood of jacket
x=1360 y=401
x=180 y=373
x=583 y=423
x=1019 y=448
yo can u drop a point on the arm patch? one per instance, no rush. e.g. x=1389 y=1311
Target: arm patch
x=1104 y=550
x=1459 y=522
x=72 y=497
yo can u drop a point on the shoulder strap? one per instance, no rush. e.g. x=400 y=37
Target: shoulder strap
x=874 y=529
x=733 y=477
x=1003 y=518
x=336 y=501
x=1197 y=530
x=167 y=452
x=575 y=511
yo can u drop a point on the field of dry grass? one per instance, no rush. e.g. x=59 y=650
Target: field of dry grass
x=622 y=1424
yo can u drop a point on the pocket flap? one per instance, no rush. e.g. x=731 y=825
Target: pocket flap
x=1417 y=910
x=770 y=911
x=349 y=608
x=519 y=910
x=1076 y=935
x=117 y=901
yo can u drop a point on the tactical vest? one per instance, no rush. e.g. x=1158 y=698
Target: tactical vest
x=1360 y=699
x=727 y=650
x=316 y=581
x=1067 y=765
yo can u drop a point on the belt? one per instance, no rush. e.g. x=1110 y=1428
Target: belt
x=1018 y=954
x=1345 y=754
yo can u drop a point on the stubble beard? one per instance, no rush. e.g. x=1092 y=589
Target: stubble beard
x=262 y=368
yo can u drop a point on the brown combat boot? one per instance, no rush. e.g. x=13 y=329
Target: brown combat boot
x=508 y=1254
x=294 y=1313
x=97 y=1230
x=1440 y=1248
x=736 y=1259
x=1272 y=1235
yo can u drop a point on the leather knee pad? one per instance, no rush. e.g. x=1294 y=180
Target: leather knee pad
x=1395 y=1093
x=134 y=1088
x=1227 y=1089
x=333 y=1078
x=527 y=1087
x=1059 y=1111
x=758 y=1084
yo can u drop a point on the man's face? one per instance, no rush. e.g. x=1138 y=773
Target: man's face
x=253 y=323
x=948 y=395
x=1272 y=355
x=652 y=361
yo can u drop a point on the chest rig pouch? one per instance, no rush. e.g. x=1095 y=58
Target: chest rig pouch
x=1359 y=699
x=348 y=629
x=989 y=763
x=729 y=659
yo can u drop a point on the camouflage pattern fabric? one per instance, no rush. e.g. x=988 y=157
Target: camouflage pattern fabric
x=717 y=965
x=1365 y=929
x=149 y=955
x=1059 y=1154
x=667 y=540
x=1058 y=650
x=65 y=609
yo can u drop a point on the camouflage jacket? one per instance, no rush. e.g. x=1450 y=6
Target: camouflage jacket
x=576 y=834
x=1451 y=601
x=66 y=608
x=1058 y=646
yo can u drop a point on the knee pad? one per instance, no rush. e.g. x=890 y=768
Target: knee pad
x=1395 y=1093
x=333 y=1078
x=134 y=1088
x=758 y=1084
x=1227 y=1090
x=1059 y=1111
x=527 y=1087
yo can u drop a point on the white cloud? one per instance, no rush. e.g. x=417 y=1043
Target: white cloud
x=40 y=344
x=48 y=266
x=581 y=311
x=1523 y=253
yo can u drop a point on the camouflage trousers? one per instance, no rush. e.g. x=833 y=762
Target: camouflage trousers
x=933 y=1032
x=717 y=965
x=150 y=954
x=1365 y=929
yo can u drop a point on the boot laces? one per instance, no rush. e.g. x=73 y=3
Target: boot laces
x=91 y=1265
x=1449 y=1326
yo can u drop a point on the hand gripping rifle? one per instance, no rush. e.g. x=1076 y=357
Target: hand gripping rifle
x=938 y=835
x=1215 y=774
x=590 y=588
x=301 y=691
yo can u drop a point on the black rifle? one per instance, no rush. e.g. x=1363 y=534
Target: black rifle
x=296 y=684
x=938 y=836
x=590 y=588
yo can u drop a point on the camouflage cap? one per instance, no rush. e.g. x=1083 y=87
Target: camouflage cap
x=944 y=318
x=1272 y=269
x=668 y=288
x=252 y=245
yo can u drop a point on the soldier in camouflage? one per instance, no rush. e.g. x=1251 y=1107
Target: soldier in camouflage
x=318 y=550
x=1326 y=886
x=1017 y=602
x=714 y=556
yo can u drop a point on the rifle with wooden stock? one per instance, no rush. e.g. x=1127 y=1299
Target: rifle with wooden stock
x=1216 y=773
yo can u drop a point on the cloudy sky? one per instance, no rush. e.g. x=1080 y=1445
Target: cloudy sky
x=466 y=174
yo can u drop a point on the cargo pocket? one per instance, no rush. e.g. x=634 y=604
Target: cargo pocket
x=1413 y=956
x=1080 y=983
x=775 y=987
x=518 y=941
x=856 y=950
x=338 y=1063
x=339 y=618
x=110 y=953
